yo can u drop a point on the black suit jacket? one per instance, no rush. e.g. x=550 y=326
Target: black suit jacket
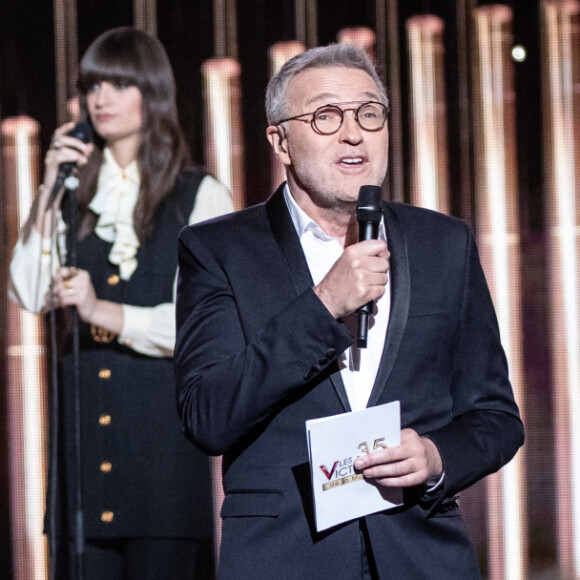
x=256 y=357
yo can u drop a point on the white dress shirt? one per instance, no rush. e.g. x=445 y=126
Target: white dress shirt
x=358 y=366
x=147 y=330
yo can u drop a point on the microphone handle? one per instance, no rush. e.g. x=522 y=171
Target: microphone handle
x=368 y=230
x=64 y=170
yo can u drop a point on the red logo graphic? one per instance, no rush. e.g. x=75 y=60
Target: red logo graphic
x=326 y=472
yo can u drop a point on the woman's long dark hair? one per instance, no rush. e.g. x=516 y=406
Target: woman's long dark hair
x=130 y=56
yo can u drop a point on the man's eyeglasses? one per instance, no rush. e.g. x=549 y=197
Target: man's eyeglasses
x=327 y=120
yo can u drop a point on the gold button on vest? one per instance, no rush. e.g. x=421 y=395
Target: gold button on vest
x=105 y=420
x=113 y=279
x=107 y=516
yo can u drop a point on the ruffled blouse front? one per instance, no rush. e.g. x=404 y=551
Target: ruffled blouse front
x=114 y=203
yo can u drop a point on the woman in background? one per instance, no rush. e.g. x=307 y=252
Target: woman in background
x=146 y=490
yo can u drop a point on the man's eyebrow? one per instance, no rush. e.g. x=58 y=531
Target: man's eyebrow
x=332 y=98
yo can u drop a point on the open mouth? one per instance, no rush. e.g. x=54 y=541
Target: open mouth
x=351 y=161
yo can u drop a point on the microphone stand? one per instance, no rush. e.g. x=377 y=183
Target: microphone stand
x=71 y=184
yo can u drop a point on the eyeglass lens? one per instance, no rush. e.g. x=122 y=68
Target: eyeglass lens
x=370 y=116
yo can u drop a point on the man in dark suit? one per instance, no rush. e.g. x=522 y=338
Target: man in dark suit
x=267 y=299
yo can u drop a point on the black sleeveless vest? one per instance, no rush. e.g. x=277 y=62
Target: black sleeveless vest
x=140 y=476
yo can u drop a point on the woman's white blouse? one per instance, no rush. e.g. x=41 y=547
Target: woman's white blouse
x=147 y=330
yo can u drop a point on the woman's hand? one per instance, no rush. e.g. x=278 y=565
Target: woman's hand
x=63 y=149
x=73 y=287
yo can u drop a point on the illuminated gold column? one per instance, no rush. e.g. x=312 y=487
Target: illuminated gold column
x=225 y=159
x=27 y=376
x=499 y=242
x=429 y=174
x=381 y=23
x=361 y=36
x=223 y=122
x=224 y=155
x=145 y=16
x=66 y=55
x=465 y=47
x=278 y=54
x=225 y=28
x=306 y=22
x=561 y=53
x=388 y=55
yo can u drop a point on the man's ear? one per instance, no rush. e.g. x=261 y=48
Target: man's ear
x=278 y=142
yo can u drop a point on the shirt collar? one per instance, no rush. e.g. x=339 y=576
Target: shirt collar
x=304 y=223
x=110 y=169
x=301 y=220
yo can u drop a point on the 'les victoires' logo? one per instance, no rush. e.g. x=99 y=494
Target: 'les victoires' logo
x=342 y=471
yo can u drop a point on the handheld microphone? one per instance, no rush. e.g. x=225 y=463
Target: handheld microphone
x=369 y=211
x=84 y=132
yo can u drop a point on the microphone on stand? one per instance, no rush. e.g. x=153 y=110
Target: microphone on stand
x=369 y=211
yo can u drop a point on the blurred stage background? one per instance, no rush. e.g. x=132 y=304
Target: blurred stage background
x=485 y=115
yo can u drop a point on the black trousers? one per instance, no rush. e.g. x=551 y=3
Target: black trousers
x=140 y=559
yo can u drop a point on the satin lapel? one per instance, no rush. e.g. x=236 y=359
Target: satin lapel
x=287 y=240
x=400 y=296
x=289 y=244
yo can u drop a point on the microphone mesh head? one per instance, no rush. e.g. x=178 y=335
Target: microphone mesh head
x=370 y=196
x=82 y=131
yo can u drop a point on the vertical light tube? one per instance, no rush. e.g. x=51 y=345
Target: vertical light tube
x=145 y=16
x=27 y=374
x=278 y=54
x=225 y=28
x=395 y=183
x=306 y=22
x=561 y=77
x=381 y=36
x=429 y=174
x=361 y=36
x=224 y=158
x=496 y=189
x=66 y=54
x=465 y=44
x=223 y=124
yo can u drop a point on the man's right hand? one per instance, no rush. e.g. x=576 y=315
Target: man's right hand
x=359 y=276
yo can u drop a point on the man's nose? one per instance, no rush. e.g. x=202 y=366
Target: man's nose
x=350 y=131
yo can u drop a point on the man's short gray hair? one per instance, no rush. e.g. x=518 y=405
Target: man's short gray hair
x=333 y=55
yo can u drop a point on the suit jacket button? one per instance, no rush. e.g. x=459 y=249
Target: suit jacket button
x=106 y=466
x=323 y=362
x=113 y=280
x=330 y=353
x=105 y=373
